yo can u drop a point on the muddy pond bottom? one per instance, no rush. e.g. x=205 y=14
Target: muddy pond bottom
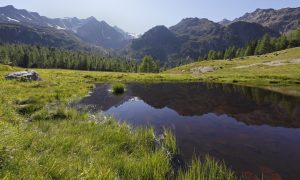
x=254 y=131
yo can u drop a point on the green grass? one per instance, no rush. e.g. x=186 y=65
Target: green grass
x=285 y=79
x=118 y=88
x=42 y=137
x=207 y=169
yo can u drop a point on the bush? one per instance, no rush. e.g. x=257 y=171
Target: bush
x=118 y=88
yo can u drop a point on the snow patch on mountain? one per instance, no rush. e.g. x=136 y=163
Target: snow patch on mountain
x=60 y=28
x=26 y=17
x=50 y=25
x=11 y=19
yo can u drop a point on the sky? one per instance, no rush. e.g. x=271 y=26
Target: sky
x=138 y=16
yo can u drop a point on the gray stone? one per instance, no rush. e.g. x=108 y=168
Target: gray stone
x=30 y=75
x=203 y=69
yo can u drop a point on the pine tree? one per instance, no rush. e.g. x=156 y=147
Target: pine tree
x=230 y=53
x=212 y=55
x=264 y=46
x=282 y=43
x=148 y=65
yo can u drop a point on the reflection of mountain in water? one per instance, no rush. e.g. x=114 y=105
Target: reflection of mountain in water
x=249 y=105
x=102 y=99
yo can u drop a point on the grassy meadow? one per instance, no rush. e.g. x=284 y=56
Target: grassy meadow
x=43 y=137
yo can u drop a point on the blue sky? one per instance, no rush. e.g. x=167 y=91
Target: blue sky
x=138 y=16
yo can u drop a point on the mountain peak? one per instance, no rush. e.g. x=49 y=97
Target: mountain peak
x=157 y=30
x=92 y=18
x=194 y=21
x=225 y=22
x=9 y=7
x=88 y=30
x=281 y=20
x=159 y=27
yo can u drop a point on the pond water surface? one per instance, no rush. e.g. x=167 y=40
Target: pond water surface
x=253 y=130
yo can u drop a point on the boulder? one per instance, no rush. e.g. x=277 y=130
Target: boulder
x=30 y=75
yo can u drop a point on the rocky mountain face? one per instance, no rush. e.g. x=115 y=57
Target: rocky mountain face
x=189 y=39
x=17 y=33
x=194 y=37
x=197 y=36
x=281 y=20
x=88 y=30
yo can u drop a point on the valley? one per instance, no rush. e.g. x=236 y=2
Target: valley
x=200 y=99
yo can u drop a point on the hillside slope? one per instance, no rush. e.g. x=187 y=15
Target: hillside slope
x=279 y=71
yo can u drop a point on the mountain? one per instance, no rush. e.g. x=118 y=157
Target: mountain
x=281 y=20
x=126 y=35
x=17 y=33
x=194 y=37
x=158 y=42
x=189 y=39
x=101 y=34
x=225 y=22
x=197 y=36
x=88 y=30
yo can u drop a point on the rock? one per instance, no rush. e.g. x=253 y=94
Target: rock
x=30 y=75
x=203 y=69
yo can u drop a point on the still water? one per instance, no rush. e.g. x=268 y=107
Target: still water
x=253 y=130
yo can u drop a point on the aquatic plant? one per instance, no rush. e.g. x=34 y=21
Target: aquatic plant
x=118 y=88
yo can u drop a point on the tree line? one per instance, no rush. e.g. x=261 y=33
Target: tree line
x=258 y=47
x=32 y=56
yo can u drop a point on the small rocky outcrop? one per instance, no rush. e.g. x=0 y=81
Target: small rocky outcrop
x=203 y=69
x=29 y=75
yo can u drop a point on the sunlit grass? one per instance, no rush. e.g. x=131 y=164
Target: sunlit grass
x=42 y=137
x=207 y=169
x=285 y=78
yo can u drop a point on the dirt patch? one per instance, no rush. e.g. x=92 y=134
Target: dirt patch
x=271 y=63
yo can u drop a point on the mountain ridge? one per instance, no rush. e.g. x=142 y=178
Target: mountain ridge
x=281 y=20
x=194 y=37
x=9 y=14
x=190 y=38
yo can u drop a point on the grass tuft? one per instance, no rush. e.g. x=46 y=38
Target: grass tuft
x=207 y=169
x=118 y=88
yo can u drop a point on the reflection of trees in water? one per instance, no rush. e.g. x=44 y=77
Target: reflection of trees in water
x=260 y=96
x=246 y=104
x=250 y=105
